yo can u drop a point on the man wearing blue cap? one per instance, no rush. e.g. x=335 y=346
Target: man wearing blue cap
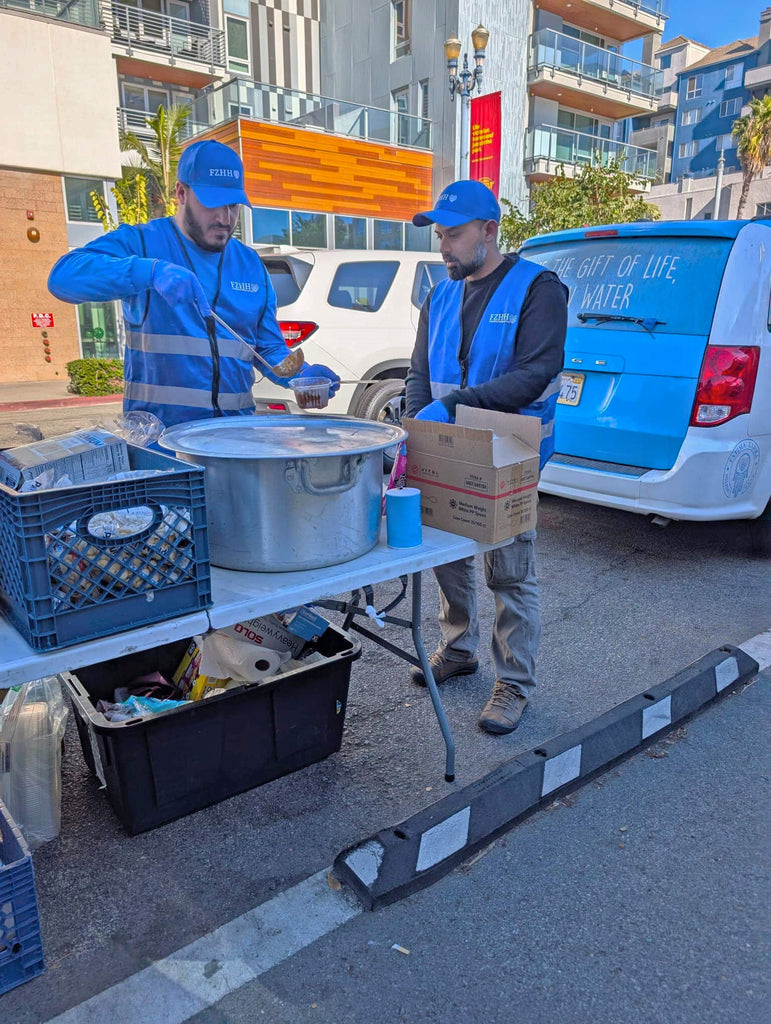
x=490 y=336
x=171 y=274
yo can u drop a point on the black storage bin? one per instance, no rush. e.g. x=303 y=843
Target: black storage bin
x=160 y=768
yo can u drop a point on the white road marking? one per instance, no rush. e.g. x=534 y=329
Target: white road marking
x=759 y=648
x=202 y=973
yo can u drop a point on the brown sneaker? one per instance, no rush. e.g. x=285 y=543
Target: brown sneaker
x=444 y=668
x=503 y=710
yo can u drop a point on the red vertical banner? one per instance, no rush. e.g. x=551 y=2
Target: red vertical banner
x=485 y=149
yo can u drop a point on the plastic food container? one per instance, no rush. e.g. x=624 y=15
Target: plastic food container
x=311 y=392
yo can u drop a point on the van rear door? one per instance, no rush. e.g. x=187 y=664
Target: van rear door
x=640 y=313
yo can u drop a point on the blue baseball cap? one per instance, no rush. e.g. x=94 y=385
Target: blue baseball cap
x=459 y=203
x=214 y=172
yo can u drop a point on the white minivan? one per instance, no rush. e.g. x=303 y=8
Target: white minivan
x=665 y=406
x=355 y=311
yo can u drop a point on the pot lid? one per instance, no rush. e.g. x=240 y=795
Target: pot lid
x=280 y=436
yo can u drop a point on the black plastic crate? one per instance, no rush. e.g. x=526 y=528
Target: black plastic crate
x=160 y=768
x=21 y=949
x=59 y=584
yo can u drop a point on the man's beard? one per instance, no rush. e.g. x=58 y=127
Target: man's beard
x=192 y=230
x=461 y=270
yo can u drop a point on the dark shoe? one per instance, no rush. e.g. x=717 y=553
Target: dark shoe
x=503 y=710
x=443 y=668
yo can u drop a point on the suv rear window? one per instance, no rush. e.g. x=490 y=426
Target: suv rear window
x=288 y=277
x=362 y=285
x=426 y=276
x=674 y=280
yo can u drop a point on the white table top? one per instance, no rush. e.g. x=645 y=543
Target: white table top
x=237 y=596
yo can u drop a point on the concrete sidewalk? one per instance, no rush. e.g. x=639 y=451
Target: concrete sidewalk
x=31 y=410
x=46 y=394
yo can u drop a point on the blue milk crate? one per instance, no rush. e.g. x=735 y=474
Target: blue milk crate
x=21 y=949
x=60 y=584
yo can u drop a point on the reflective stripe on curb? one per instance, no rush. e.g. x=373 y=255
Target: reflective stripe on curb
x=415 y=853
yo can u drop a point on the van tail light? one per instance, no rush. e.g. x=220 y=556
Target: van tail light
x=726 y=384
x=296 y=331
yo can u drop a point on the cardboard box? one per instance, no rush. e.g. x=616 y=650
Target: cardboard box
x=478 y=477
x=83 y=456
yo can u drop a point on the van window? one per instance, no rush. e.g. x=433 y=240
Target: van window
x=426 y=276
x=675 y=280
x=288 y=277
x=362 y=285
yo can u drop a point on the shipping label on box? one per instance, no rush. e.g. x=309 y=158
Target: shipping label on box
x=478 y=477
x=83 y=456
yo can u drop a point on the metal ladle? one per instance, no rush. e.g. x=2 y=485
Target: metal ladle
x=288 y=367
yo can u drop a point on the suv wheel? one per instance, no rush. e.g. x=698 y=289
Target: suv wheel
x=383 y=402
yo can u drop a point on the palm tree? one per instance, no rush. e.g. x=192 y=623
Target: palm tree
x=753 y=135
x=159 y=158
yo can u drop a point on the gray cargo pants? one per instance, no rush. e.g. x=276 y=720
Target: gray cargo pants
x=510 y=575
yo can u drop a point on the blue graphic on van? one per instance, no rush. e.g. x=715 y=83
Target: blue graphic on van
x=741 y=468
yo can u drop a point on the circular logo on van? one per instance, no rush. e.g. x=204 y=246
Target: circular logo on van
x=741 y=468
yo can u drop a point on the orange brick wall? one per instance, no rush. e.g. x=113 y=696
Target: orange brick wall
x=24 y=268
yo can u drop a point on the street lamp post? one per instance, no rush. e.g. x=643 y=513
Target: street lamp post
x=463 y=84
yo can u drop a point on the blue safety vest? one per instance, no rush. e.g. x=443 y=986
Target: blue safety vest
x=172 y=367
x=492 y=349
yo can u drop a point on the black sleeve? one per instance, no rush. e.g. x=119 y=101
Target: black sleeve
x=538 y=354
x=418 y=393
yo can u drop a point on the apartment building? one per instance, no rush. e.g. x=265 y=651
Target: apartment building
x=711 y=93
x=74 y=72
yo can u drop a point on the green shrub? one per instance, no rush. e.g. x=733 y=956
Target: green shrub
x=96 y=376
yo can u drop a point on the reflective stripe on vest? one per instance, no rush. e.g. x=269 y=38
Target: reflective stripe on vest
x=491 y=353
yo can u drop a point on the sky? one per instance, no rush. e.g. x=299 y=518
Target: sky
x=714 y=22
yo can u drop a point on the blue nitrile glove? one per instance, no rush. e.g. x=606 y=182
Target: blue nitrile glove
x=179 y=286
x=317 y=370
x=434 y=411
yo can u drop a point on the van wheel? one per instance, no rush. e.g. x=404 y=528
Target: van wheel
x=383 y=402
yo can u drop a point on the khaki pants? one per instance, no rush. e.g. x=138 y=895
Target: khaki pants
x=510 y=575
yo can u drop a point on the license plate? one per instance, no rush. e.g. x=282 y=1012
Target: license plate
x=570 y=389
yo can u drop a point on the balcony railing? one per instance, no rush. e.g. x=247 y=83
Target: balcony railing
x=135 y=121
x=564 y=146
x=555 y=50
x=176 y=38
x=80 y=12
x=660 y=7
x=240 y=97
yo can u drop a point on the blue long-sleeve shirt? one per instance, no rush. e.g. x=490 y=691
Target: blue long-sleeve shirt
x=172 y=367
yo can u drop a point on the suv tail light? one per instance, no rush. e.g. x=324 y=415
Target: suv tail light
x=296 y=331
x=726 y=384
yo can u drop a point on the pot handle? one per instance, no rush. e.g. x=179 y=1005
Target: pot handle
x=298 y=477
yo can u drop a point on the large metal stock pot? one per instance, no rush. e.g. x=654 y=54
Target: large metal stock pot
x=288 y=492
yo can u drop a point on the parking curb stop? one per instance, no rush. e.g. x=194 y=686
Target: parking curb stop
x=412 y=855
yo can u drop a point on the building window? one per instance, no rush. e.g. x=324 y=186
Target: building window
x=725 y=142
x=400 y=99
x=665 y=62
x=688 y=149
x=763 y=210
x=733 y=76
x=730 y=108
x=417 y=239
x=77 y=195
x=309 y=230
x=350 y=233
x=424 y=98
x=689 y=208
x=692 y=116
x=694 y=87
x=270 y=227
x=238 y=45
x=402 y=27
x=388 y=234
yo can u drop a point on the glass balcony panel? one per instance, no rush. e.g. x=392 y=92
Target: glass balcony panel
x=550 y=49
x=79 y=12
x=563 y=146
x=175 y=37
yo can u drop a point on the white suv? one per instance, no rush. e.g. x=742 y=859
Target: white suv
x=356 y=312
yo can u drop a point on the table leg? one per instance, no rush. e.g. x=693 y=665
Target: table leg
x=417 y=638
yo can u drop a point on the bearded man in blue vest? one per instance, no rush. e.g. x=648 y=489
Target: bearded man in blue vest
x=171 y=274
x=491 y=336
